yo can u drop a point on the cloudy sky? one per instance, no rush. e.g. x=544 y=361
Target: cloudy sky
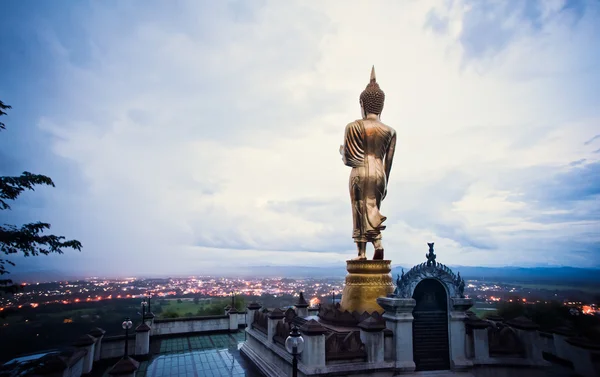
x=201 y=136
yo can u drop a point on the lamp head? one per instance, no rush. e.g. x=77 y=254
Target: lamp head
x=294 y=343
x=127 y=324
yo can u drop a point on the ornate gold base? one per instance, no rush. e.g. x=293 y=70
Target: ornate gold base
x=367 y=280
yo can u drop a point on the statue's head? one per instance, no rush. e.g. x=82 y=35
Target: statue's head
x=372 y=98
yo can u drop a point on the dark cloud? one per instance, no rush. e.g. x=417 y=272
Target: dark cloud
x=555 y=195
x=486 y=29
x=578 y=162
x=592 y=140
x=580 y=183
x=576 y=8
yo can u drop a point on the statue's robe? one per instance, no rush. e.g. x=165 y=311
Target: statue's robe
x=366 y=143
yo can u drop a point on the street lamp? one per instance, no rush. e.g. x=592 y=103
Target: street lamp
x=126 y=326
x=232 y=299
x=294 y=344
x=144 y=304
x=333 y=297
x=149 y=297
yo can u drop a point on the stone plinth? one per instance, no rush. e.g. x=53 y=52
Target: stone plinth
x=149 y=319
x=528 y=334
x=233 y=320
x=126 y=367
x=371 y=334
x=399 y=318
x=367 y=280
x=87 y=343
x=253 y=307
x=142 y=340
x=479 y=342
x=458 y=333
x=274 y=318
x=314 y=343
x=302 y=306
x=97 y=333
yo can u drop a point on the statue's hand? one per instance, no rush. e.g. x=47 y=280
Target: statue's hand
x=341 y=149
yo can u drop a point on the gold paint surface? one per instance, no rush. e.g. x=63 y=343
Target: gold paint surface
x=367 y=280
x=369 y=147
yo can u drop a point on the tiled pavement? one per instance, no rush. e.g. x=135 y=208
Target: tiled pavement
x=198 y=356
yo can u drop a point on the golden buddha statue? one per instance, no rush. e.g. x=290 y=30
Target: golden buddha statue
x=369 y=150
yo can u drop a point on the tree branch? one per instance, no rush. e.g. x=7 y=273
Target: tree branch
x=12 y=187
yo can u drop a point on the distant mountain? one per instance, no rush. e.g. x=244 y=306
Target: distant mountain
x=33 y=275
x=502 y=274
x=554 y=275
x=296 y=272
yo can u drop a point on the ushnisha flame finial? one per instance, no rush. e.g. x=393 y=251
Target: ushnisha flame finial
x=373 y=97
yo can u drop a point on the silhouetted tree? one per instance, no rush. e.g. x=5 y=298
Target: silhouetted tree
x=170 y=314
x=28 y=238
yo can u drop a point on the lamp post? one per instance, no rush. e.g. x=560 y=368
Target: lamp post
x=144 y=304
x=333 y=298
x=294 y=344
x=126 y=326
x=149 y=297
x=232 y=300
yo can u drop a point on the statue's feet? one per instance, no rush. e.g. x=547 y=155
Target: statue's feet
x=378 y=255
x=360 y=257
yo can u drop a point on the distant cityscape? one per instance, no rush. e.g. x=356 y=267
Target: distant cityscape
x=316 y=290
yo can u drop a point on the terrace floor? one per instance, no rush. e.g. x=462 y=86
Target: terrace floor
x=214 y=355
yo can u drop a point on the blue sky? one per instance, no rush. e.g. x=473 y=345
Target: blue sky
x=196 y=136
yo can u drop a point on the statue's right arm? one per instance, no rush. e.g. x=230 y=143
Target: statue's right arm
x=389 y=157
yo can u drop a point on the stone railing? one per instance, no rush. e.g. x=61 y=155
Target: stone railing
x=333 y=314
x=190 y=325
x=504 y=341
x=344 y=346
x=261 y=320
x=114 y=346
x=494 y=341
x=282 y=331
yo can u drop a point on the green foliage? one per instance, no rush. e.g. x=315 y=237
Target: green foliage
x=196 y=307
x=196 y=300
x=2 y=112
x=170 y=314
x=240 y=304
x=28 y=238
x=552 y=315
x=548 y=316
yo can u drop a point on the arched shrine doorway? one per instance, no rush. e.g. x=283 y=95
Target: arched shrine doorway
x=430 y=326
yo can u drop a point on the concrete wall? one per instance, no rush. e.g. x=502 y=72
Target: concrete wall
x=114 y=346
x=190 y=325
x=243 y=318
